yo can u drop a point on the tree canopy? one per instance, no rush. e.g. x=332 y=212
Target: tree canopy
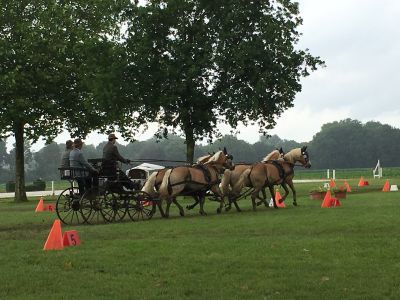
x=47 y=49
x=196 y=63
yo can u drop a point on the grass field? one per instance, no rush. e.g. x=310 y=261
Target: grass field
x=304 y=252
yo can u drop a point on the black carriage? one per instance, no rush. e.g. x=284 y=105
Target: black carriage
x=68 y=205
x=107 y=201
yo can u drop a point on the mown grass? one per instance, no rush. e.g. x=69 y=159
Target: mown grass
x=304 y=252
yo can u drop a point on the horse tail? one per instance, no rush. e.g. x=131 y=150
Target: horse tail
x=165 y=187
x=242 y=182
x=150 y=183
x=226 y=179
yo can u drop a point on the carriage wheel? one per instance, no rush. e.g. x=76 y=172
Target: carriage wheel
x=68 y=207
x=91 y=205
x=113 y=206
x=141 y=206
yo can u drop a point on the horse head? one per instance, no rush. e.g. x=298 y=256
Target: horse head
x=298 y=155
x=305 y=157
x=222 y=159
x=281 y=152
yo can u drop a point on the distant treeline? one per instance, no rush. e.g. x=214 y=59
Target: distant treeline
x=339 y=145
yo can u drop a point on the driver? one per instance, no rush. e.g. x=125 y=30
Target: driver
x=110 y=158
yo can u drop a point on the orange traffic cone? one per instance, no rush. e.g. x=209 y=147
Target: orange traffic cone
x=40 y=206
x=54 y=240
x=332 y=183
x=386 y=186
x=278 y=198
x=361 y=182
x=327 y=200
x=346 y=184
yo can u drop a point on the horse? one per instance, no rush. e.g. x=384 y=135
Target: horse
x=153 y=183
x=195 y=180
x=231 y=177
x=272 y=173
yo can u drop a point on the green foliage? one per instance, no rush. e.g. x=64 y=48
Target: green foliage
x=47 y=65
x=37 y=185
x=194 y=64
x=349 y=143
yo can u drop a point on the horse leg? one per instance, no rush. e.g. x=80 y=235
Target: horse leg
x=263 y=198
x=291 y=185
x=233 y=199
x=189 y=207
x=181 y=211
x=169 y=201
x=254 y=196
x=271 y=190
x=286 y=192
x=228 y=206
x=158 y=204
x=202 y=199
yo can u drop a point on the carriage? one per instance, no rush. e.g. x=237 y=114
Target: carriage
x=109 y=201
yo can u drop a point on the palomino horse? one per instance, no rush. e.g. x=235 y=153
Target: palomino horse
x=273 y=173
x=153 y=183
x=195 y=180
x=231 y=177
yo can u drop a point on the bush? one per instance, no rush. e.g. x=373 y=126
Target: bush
x=40 y=184
x=37 y=185
x=10 y=186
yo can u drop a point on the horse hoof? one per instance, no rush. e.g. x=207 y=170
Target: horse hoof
x=239 y=210
x=218 y=210
x=227 y=208
x=182 y=214
x=259 y=203
x=276 y=206
x=295 y=203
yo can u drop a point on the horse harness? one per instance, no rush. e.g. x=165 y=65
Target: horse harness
x=278 y=165
x=207 y=176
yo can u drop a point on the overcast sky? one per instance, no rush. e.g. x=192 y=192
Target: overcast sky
x=359 y=41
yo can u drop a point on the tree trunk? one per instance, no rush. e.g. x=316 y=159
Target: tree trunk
x=20 y=194
x=190 y=142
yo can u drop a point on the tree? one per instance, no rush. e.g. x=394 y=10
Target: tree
x=48 y=161
x=44 y=52
x=4 y=158
x=194 y=64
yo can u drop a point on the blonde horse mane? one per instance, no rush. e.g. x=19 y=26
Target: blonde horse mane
x=214 y=158
x=293 y=155
x=203 y=159
x=274 y=155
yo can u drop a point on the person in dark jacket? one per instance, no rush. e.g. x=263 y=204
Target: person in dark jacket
x=110 y=166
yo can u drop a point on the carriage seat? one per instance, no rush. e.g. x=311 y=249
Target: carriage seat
x=69 y=173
